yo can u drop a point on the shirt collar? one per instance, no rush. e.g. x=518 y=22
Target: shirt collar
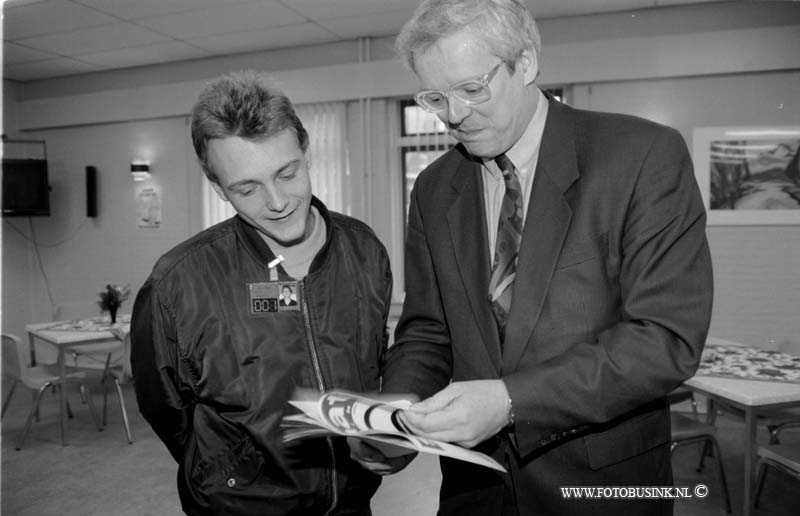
x=526 y=148
x=523 y=151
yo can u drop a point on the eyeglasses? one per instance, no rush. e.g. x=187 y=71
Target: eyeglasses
x=471 y=92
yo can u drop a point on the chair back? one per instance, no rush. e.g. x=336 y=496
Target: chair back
x=122 y=365
x=127 y=371
x=14 y=352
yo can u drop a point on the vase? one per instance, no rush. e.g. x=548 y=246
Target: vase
x=112 y=310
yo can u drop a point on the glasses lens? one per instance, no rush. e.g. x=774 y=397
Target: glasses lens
x=433 y=101
x=472 y=92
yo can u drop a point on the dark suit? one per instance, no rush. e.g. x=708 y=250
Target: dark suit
x=611 y=307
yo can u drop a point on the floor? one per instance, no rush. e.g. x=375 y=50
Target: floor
x=99 y=473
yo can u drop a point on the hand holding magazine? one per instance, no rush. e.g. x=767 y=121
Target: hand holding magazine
x=355 y=415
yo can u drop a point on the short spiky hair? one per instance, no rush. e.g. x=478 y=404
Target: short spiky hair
x=244 y=104
x=505 y=26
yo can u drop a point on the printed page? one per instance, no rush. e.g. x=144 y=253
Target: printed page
x=354 y=415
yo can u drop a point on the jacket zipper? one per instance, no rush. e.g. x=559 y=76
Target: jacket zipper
x=312 y=348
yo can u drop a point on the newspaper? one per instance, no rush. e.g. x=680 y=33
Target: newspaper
x=355 y=415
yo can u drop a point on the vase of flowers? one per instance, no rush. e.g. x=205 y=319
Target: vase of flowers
x=111 y=299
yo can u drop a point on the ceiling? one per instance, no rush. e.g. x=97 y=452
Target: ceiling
x=52 y=38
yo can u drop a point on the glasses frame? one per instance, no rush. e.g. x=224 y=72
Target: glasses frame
x=483 y=81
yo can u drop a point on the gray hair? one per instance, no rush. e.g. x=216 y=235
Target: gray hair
x=506 y=27
x=244 y=104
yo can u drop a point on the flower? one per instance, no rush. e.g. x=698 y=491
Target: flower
x=113 y=296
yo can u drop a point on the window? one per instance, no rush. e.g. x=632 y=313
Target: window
x=423 y=138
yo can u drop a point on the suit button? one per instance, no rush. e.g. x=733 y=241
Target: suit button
x=231 y=482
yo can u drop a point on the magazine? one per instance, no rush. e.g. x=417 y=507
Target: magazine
x=354 y=415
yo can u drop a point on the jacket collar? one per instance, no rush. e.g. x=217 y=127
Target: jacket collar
x=547 y=222
x=263 y=254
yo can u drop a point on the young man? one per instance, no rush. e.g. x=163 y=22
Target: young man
x=215 y=355
x=557 y=270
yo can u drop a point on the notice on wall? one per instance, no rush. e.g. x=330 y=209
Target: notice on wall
x=148 y=207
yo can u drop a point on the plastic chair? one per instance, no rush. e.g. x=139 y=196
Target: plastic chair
x=37 y=378
x=783 y=457
x=681 y=394
x=120 y=373
x=686 y=430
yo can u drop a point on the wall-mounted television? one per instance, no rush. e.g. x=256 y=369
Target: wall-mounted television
x=26 y=191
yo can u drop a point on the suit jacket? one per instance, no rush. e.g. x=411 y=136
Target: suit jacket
x=611 y=307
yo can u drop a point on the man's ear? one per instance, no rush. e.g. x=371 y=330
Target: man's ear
x=217 y=188
x=529 y=66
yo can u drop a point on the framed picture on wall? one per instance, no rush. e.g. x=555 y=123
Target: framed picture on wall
x=749 y=175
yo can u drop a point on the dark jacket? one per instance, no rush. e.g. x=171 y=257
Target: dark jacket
x=213 y=371
x=611 y=306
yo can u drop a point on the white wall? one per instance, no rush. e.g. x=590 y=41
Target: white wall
x=736 y=62
x=80 y=255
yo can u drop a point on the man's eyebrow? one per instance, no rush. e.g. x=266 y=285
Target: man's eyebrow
x=243 y=182
x=248 y=182
x=288 y=164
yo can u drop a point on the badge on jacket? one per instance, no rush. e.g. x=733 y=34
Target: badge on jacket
x=274 y=296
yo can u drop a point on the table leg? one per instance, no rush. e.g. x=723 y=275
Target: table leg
x=749 y=449
x=711 y=411
x=62 y=399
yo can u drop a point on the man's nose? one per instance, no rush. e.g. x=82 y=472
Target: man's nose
x=275 y=199
x=457 y=111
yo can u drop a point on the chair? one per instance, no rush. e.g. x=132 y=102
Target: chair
x=686 y=430
x=37 y=378
x=120 y=373
x=783 y=457
x=681 y=394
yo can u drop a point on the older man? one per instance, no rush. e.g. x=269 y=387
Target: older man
x=557 y=270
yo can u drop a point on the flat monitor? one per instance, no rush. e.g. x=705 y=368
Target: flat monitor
x=26 y=191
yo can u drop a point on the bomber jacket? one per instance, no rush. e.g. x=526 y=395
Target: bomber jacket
x=215 y=361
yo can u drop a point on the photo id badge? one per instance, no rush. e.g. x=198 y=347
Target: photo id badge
x=289 y=297
x=273 y=297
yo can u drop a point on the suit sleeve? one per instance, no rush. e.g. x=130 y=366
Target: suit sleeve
x=163 y=400
x=666 y=290
x=420 y=361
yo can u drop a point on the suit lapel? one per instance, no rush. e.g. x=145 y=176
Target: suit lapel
x=546 y=226
x=467 y=222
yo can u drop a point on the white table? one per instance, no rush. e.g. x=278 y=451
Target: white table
x=752 y=397
x=63 y=340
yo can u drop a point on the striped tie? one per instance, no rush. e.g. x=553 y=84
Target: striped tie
x=509 y=236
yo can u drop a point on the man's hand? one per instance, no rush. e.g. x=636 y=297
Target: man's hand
x=381 y=459
x=465 y=413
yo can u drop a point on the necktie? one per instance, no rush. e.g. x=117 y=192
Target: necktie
x=509 y=236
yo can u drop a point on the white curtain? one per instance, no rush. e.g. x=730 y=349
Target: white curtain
x=326 y=126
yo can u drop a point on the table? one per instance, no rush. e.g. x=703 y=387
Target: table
x=752 y=397
x=66 y=334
